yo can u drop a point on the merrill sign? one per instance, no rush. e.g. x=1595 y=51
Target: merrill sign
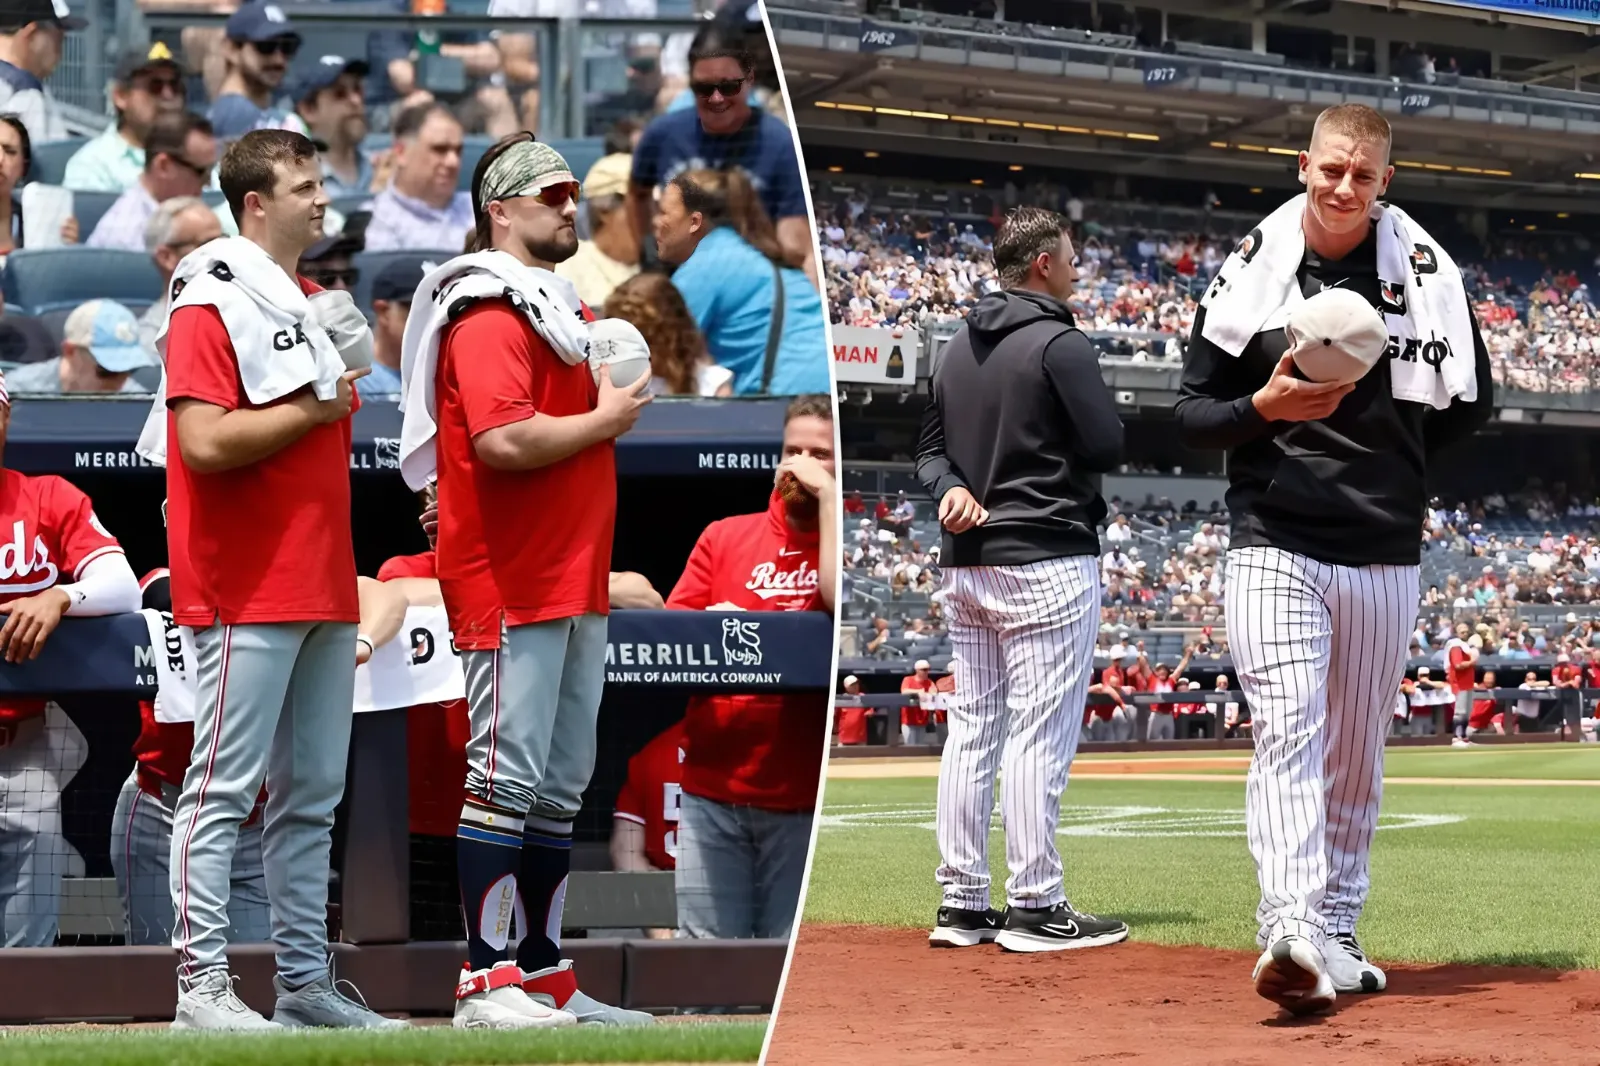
x=740 y=647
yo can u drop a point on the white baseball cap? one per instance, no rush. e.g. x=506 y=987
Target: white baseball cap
x=1194 y=686
x=1422 y=671
x=1336 y=335
x=1563 y=658
x=851 y=679
x=922 y=664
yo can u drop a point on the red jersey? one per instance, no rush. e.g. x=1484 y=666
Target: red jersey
x=852 y=724
x=916 y=715
x=945 y=685
x=1591 y=674
x=48 y=534
x=1158 y=685
x=436 y=736
x=650 y=795
x=1111 y=678
x=1460 y=670
x=1565 y=672
x=266 y=542
x=517 y=546
x=760 y=751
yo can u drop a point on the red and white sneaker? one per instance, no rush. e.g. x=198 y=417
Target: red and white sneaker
x=493 y=999
x=557 y=988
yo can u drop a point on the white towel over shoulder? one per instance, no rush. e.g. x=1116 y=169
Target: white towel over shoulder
x=276 y=338
x=552 y=307
x=1424 y=302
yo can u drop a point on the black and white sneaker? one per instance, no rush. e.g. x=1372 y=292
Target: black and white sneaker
x=1058 y=928
x=957 y=928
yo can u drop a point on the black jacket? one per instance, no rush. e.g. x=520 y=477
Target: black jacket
x=1349 y=489
x=1019 y=416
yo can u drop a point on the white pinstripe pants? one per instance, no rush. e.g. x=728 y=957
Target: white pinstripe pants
x=1319 y=651
x=1023 y=640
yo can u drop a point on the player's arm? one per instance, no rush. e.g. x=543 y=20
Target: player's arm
x=693 y=592
x=959 y=511
x=496 y=386
x=627 y=846
x=630 y=591
x=1072 y=369
x=1462 y=419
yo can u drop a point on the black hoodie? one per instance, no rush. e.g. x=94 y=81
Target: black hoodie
x=1019 y=416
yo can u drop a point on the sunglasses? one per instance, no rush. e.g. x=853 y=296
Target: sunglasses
x=160 y=86
x=330 y=278
x=706 y=89
x=284 y=46
x=201 y=171
x=556 y=195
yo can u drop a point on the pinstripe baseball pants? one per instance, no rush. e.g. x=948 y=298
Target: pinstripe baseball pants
x=1319 y=651
x=1023 y=640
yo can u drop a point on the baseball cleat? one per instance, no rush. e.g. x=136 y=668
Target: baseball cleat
x=320 y=1005
x=210 y=1003
x=1291 y=974
x=494 y=999
x=958 y=928
x=556 y=987
x=1058 y=928
x=1349 y=969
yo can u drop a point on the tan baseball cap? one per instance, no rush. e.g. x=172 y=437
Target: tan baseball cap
x=608 y=177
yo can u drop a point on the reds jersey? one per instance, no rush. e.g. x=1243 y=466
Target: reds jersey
x=436 y=736
x=1111 y=678
x=1158 y=685
x=48 y=534
x=760 y=751
x=916 y=715
x=1461 y=670
x=1591 y=674
x=1565 y=672
x=650 y=796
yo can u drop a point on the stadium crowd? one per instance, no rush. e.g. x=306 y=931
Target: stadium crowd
x=693 y=217
x=910 y=270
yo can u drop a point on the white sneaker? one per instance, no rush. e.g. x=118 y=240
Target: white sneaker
x=210 y=1003
x=1349 y=968
x=557 y=988
x=493 y=999
x=1291 y=973
x=1461 y=742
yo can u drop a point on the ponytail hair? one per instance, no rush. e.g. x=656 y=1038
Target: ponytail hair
x=481 y=237
x=726 y=198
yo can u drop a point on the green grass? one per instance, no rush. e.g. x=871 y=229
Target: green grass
x=1490 y=875
x=724 y=1042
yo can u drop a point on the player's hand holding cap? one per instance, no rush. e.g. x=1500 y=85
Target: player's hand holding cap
x=336 y=312
x=1336 y=336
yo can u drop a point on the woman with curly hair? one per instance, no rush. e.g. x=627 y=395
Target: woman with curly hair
x=678 y=358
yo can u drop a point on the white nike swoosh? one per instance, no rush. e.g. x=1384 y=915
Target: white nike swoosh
x=1070 y=929
x=783 y=554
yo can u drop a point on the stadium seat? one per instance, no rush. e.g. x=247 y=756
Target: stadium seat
x=50 y=159
x=89 y=207
x=46 y=279
x=25 y=339
x=370 y=264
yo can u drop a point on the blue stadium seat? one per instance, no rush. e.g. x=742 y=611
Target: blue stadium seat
x=47 y=279
x=25 y=339
x=370 y=264
x=50 y=159
x=89 y=207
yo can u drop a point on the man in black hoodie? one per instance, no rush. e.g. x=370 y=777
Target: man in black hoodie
x=1018 y=419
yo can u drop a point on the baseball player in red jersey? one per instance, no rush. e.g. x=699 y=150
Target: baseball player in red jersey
x=501 y=403
x=1486 y=712
x=258 y=402
x=56 y=559
x=851 y=721
x=644 y=822
x=1566 y=677
x=754 y=762
x=141 y=828
x=916 y=722
x=1461 y=665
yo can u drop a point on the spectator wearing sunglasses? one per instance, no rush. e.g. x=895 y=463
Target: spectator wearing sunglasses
x=730 y=271
x=147 y=83
x=721 y=131
x=330 y=262
x=392 y=290
x=180 y=154
x=32 y=35
x=331 y=108
x=178 y=227
x=261 y=43
x=422 y=209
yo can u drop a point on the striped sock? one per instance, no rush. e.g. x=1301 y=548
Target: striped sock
x=546 y=861
x=488 y=849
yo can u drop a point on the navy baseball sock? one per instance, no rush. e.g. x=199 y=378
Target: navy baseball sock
x=542 y=881
x=488 y=848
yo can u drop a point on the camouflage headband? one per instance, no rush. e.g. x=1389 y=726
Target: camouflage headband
x=524 y=168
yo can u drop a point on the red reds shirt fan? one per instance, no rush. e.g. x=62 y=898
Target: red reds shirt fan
x=650 y=796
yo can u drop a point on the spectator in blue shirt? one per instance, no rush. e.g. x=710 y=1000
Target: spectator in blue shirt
x=331 y=105
x=261 y=43
x=731 y=274
x=392 y=290
x=723 y=131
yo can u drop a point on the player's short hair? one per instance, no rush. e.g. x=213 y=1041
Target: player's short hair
x=1026 y=233
x=1359 y=122
x=250 y=164
x=812 y=405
